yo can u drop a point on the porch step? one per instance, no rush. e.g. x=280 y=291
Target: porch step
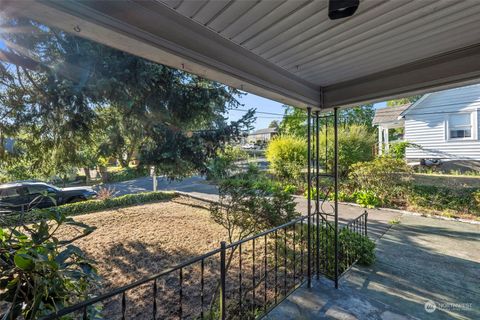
x=323 y=301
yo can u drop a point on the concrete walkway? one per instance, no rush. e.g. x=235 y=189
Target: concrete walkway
x=426 y=269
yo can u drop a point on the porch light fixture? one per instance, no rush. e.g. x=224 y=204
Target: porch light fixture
x=338 y=9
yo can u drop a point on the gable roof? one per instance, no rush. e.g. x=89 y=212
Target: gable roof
x=389 y=114
x=264 y=131
x=465 y=90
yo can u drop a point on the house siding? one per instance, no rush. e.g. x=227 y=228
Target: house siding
x=426 y=125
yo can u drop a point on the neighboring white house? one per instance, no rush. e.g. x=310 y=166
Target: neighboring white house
x=262 y=135
x=442 y=125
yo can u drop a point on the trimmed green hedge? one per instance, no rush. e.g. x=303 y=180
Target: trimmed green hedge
x=89 y=206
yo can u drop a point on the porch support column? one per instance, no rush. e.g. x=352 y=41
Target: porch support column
x=386 y=139
x=309 y=195
x=335 y=185
x=380 y=140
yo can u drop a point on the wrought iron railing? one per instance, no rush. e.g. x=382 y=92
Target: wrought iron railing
x=242 y=280
x=359 y=224
x=349 y=240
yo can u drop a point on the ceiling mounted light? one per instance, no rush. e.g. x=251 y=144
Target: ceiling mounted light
x=338 y=9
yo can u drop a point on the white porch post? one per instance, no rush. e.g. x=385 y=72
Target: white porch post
x=387 y=142
x=380 y=140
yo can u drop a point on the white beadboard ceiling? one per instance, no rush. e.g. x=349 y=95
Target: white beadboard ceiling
x=289 y=50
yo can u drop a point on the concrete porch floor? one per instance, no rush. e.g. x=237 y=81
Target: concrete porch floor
x=418 y=260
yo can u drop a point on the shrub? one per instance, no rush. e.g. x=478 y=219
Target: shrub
x=223 y=165
x=366 y=199
x=351 y=246
x=389 y=179
x=127 y=174
x=105 y=193
x=358 y=246
x=354 y=145
x=397 y=150
x=89 y=206
x=287 y=156
x=250 y=202
x=41 y=274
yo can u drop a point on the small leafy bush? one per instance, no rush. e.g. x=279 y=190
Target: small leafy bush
x=397 y=149
x=127 y=174
x=287 y=156
x=250 y=202
x=357 y=246
x=352 y=246
x=41 y=274
x=354 y=145
x=89 y=206
x=366 y=198
x=224 y=164
x=389 y=179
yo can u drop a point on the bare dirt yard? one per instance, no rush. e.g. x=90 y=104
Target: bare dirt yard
x=132 y=243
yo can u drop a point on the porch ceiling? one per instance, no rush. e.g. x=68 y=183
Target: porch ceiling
x=288 y=51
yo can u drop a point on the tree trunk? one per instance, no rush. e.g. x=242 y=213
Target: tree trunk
x=86 y=170
x=103 y=173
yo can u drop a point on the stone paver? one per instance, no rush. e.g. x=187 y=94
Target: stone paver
x=419 y=260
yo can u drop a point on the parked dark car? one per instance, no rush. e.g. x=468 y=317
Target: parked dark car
x=17 y=196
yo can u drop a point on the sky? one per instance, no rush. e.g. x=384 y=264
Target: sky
x=267 y=110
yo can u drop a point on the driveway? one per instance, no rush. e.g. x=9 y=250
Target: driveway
x=426 y=269
x=195 y=186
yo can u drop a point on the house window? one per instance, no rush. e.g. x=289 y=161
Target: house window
x=460 y=126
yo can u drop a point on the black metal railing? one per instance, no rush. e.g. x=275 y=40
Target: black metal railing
x=242 y=280
x=349 y=239
x=359 y=224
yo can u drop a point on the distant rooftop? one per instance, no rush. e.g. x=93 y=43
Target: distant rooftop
x=389 y=114
x=264 y=131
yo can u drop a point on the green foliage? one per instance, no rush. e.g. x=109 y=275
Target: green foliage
x=287 y=156
x=387 y=178
x=127 y=174
x=295 y=119
x=356 y=246
x=89 y=206
x=251 y=202
x=362 y=116
x=224 y=164
x=450 y=201
x=367 y=199
x=78 y=100
x=401 y=101
x=397 y=150
x=351 y=247
x=354 y=145
x=41 y=274
x=294 y=122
